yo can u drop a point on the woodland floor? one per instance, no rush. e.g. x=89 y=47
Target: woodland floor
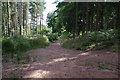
x=57 y=62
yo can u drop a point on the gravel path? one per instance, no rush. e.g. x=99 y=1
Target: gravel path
x=57 y=62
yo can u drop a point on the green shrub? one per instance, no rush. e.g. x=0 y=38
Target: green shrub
x=52 y=37
x=17 y=45
x=14 y=74
x=92 y=40
x=103 y=65
x=22 y=44
x=19 y=57
x=68 y=44
x=8 y=45
x=39 y=42
x=65 y=36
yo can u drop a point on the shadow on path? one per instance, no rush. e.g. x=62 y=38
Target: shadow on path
x=57 y=62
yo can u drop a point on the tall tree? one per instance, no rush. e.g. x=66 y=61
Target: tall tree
x=27 y=10
x=20 y=17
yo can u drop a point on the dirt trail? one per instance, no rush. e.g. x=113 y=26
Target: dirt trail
x=57 y=62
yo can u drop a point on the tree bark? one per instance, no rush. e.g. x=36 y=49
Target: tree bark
x=97 y=15
x=16 y=19
x=9 y=18
x=27 y=18
x=87 y=17
x=20 y=16
x=101 y=17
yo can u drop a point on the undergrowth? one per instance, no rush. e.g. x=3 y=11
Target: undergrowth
x=15 y=47
x=96 y=40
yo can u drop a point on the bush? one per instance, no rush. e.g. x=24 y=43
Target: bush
x=15 y=46
x=39 y=41
x=52 y=36
x=16 y=43
x=65 y=36
x=8 y=45
x=68 y=44
x=21 y=43
x=103 y=39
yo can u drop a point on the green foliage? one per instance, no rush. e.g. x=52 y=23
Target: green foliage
x=20 y=57
x=65 y=36
x=103 y=65
x=45 y=30
x=15 y=46
x=68 y=44
x=99 y=35
x=16 y=43
x=78 y=43
x=104 y=44
x=39 y=41
x=52 y=37
x=92 y=40
x=14 y=74
x=7 y=45
x=51 y=20
x=20 y=43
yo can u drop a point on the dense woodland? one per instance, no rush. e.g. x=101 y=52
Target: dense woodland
x=21 y=24
x=96 y=22
x=84 y=17
x=21 y=18
x=78 y=25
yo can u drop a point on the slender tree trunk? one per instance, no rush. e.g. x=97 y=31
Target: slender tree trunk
x=87 y=18
x=0 y=22
x=27 y=18
x=118 y=20
x=76 y=19
x=23 y=19
x=9 y=18
x=20 y=16
x=83 y=27
x=3 y=19
x=97 y=16
x=40 y=23
x=16 y=19
x=36 y=25
x=118 y=16
x=92 y=21
x=101 y=17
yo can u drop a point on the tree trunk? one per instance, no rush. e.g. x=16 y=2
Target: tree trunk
x=23 y=18
x=101 y=17
x=3 y=19
x=27 y=18
x=97 y=16
x=118 y=21
x=20 y=16
x=36 y=25
x=87 y=18
x=0 y=21
x=9 y=18
x=83 y=27
x=76 y=19
x=16 y=19
x=40 y=23
x=92 y=22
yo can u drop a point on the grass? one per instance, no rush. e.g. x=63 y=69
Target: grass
x=103 y=65
x=14 y=74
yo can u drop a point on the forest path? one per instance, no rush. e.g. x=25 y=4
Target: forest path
x=57 y=62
